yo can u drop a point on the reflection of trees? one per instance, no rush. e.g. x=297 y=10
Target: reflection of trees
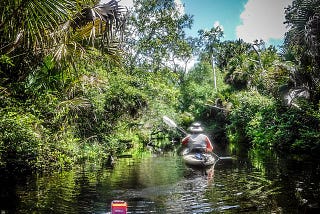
x=242 y=191
x=290 y=182
x=264 y=161
x=65 y=192
x=48 y=193
x=262 y=183
x=137 y=172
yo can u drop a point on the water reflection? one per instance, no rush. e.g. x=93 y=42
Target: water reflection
x=163 y=184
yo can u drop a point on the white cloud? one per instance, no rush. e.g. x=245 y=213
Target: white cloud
x=217 y=24
x=263 y=19
x=127 y=3
x=179 y=6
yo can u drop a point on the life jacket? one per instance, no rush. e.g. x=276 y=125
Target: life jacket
x=197 y=142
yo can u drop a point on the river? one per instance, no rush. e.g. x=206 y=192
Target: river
x=253 y=183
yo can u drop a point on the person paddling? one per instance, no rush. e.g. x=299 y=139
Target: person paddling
x=196 y=141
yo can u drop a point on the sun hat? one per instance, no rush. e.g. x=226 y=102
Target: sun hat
x=196 y=127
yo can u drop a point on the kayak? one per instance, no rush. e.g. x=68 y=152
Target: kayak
x=198 y=159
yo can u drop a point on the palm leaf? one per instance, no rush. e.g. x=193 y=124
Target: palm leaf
x=49 y=25
x=27 y=22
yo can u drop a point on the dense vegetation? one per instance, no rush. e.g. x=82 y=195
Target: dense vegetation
x=81 y=81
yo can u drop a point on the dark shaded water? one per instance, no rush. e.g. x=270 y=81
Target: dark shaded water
x=163 y=184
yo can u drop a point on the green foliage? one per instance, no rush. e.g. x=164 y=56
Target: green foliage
x=55 y=113
x=308 y=129
x=302 y=42
x=256 y=115
x=250 y=66
x=267 y=125
x=6 y=60
x=245 y=105
x=40 y=46
x=272 y=74
x=89 y=106
x=123 y=96
x=63 y=30
x=285 y=129
x=20 y=138
x=155 y=36
x=268 y=129
x=231 y=56
x=209 y=41
x=197 y=89
x=30 y=143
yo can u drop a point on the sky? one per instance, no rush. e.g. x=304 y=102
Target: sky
x=245 y=19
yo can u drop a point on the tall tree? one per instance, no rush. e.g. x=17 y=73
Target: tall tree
x=155 y=35
x=210 y=41
x=303 y=40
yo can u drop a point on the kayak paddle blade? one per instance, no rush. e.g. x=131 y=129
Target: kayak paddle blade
x=169 y=122
x=225 y=158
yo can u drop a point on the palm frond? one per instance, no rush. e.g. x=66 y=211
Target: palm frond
x=28 y=22
x=46 y=26
x=99 y=27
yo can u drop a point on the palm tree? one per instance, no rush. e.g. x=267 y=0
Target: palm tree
x=210 y=40
x=303 y=39
x=56 y=26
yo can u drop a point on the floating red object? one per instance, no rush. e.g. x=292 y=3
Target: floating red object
x=118 y=207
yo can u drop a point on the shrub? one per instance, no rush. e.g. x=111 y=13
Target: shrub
x=20 y=137
x=245 y=107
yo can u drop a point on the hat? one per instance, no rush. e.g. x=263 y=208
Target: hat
x=196 y=127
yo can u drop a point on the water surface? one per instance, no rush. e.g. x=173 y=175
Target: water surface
x=164 y=184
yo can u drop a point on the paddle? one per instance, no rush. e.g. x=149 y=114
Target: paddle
x=172 y=124
x=222 y=158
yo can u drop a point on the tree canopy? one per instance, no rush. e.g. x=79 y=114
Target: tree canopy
x=82 y=81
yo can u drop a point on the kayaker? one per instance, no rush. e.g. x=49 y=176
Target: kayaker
x=196 y=141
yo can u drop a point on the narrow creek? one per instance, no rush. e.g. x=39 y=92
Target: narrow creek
x=164 y=184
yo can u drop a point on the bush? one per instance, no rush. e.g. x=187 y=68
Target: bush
x=245 y=107
x=20 y=137
x=266 y=124
x=272 y=128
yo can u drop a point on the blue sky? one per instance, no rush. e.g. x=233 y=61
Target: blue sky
x=206 y=13
x=245 y=19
